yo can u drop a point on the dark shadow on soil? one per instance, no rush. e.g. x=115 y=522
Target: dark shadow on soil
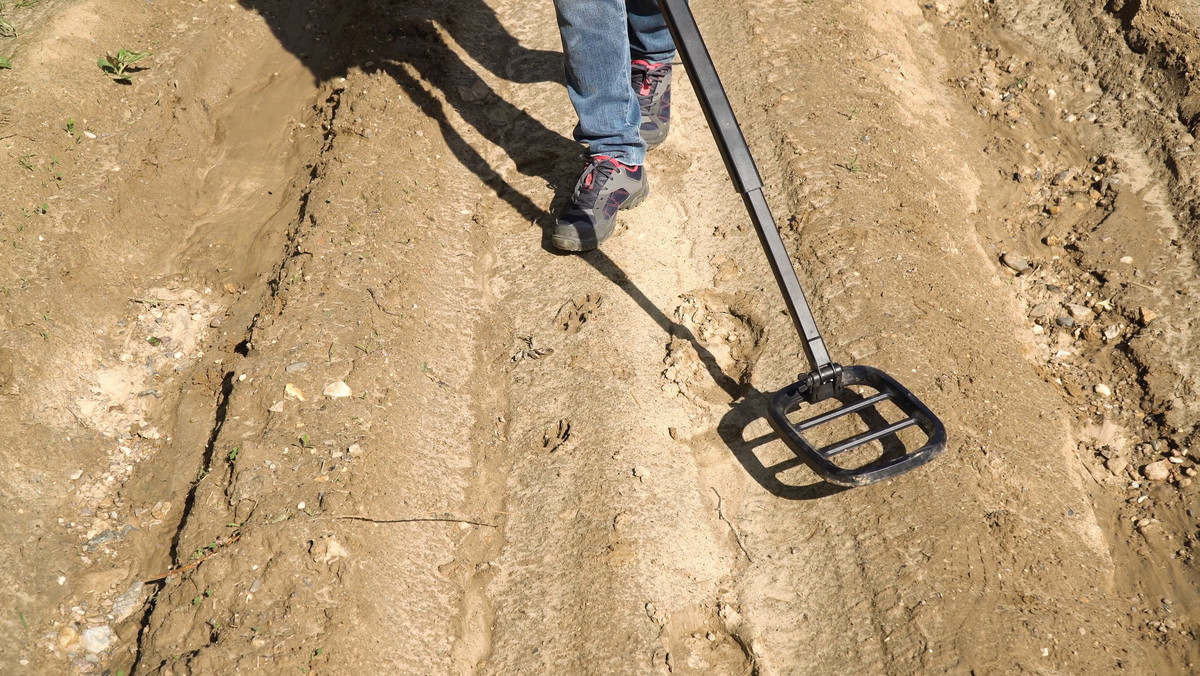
x=732 y=430
x=752 y=407
x=409 y=41
x=605 y=266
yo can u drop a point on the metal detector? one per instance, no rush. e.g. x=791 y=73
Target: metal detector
x=827 y=380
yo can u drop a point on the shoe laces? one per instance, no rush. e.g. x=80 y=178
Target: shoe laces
x=646 y=78
x=599 y=170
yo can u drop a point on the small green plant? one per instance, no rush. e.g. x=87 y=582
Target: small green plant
x=233 y=454
x=5 y=63
x=7 y=29
x=117 y=67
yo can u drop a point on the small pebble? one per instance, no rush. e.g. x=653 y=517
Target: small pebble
x=1063 y=176
x=67 y=636
x=1014 y=261
x=1157 y=471
x=295 y=366
x=337 y=390
x=1103 y=390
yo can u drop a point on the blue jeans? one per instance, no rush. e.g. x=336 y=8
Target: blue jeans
x=601 y=38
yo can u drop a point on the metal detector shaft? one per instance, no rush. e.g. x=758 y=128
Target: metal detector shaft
x=744 y=173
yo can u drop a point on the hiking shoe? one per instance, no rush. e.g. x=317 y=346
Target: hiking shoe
x=652 y=83
x=605 y=187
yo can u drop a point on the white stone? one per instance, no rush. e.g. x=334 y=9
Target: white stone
x=97 y=639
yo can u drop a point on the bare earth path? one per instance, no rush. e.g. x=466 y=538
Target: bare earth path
x=285 y=326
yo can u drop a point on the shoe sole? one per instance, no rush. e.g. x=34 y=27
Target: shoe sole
x=655 y=140
x=576 y=244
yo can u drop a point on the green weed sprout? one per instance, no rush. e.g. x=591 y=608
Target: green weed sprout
x=5 y=63
x=117 y=67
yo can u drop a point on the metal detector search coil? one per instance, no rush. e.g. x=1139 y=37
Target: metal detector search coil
x=827 y=379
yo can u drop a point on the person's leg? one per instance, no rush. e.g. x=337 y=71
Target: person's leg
x=649 y=38
x=596 y=44
x=651 y=51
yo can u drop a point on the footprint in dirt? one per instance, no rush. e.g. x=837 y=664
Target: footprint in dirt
x=730 y=336
x=576 y=312
x=556 y=436
x=701 y=642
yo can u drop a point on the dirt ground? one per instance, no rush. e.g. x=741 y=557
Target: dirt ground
x=290 y=378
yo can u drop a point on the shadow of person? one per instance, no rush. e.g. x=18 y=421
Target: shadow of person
x=408 y=40
x=611 y=271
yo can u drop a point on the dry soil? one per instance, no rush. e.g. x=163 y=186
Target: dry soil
x=291 y=379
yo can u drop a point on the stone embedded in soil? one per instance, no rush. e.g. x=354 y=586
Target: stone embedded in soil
x=1065 y=321
x=337 y=390
x=1079 y=313
x=1116 y=465
x=1014 y=261
x=160 y=510
x=1157 y=471
x=1146 y=315
x=1063 y=176
x=295 y=366
x=108 y=535
x=129 y=601
x=67 y=636
x=97 y=639
x=1103 y=390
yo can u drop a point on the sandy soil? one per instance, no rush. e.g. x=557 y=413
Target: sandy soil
x=291 y=379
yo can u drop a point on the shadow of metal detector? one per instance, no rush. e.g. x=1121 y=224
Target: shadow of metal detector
x=827 y=380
